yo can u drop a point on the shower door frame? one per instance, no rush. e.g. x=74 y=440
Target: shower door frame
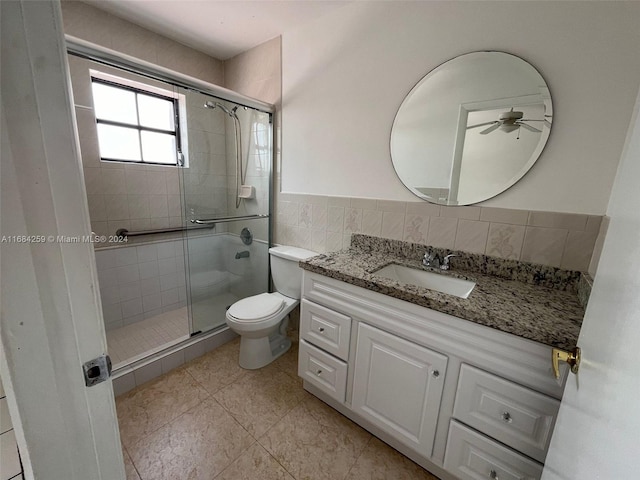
x=112 y=58
x=94 y=52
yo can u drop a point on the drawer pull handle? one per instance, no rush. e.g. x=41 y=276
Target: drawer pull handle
x=319 y=372
x=435 y=374
x=506 y=416
x=321 y=329
x=493 y=475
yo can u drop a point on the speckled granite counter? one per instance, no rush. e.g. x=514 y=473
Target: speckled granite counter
x=532 y=301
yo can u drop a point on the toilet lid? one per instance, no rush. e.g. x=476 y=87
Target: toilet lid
x=252 y=309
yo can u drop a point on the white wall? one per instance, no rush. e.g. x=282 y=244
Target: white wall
x=346 y=74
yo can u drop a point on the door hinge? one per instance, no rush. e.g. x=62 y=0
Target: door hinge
x=97 y=370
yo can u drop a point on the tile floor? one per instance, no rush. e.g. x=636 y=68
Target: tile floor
x=137 y=340
x=210 y=419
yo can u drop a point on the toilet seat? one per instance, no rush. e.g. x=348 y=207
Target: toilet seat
x=256 y=308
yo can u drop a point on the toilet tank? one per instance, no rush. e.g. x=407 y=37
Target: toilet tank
x=286 y=274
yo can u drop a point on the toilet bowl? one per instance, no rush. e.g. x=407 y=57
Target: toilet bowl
x=261 y=320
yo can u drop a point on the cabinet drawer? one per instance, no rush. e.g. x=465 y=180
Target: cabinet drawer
x=514 y=415
x=325 y=328
x=323 y=370
x=472 y=456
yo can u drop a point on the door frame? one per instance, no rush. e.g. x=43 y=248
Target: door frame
x=51 y=320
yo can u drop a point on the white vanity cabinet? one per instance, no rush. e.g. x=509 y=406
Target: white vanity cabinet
x=397 y=385
x=463 y=400
x=324 y=349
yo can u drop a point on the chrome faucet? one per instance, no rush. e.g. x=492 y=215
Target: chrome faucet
x=445 y=265
x=431 y=259
x=244 y=254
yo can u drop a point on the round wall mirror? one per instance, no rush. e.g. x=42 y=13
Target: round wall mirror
x=471 y=128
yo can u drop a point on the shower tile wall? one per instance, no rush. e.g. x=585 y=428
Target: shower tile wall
x=132 y=196
x=214 y=269
x=138 y=282
x=141 y=281
x=249 y=275
x=256 y=157
x=205 y=177
x=256 y=73
x=143 y=197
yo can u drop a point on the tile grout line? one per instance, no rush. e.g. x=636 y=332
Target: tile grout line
x=210 y=396
x=371 y=437
x=170 y=420
x=132 y=463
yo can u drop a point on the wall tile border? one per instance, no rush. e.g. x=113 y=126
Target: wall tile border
x=555 y=239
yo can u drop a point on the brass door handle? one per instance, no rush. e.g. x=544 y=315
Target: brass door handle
x=572 y=358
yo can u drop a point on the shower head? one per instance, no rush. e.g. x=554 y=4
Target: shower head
x=210 y=104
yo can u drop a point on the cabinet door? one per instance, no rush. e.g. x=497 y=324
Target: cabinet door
x=398 y=386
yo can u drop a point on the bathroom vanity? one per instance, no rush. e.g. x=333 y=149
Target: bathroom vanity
x=464 y=387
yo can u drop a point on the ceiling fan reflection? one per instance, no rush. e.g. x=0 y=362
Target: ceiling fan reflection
x=510 y=121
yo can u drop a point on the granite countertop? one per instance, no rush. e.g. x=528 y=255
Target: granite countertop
x=532 y=301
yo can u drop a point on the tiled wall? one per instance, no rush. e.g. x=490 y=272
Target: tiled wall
x=257 y=73
x=138 y=282
x=10 y=466
x=143 y=197
x=323 y=224
x=205 y=177
x=138 y=197
x=144 y=280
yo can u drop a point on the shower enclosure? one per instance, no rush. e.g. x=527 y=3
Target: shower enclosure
x=179 y=195
x=226 y=185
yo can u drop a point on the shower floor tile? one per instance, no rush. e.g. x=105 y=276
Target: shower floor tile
x=132 y=342
x=246 y=425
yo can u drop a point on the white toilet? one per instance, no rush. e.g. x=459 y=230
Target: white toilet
x=261 y=320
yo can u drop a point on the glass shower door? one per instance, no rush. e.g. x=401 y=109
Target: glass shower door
x=226 y=196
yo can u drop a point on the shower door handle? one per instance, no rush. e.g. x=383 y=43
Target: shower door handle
x=204 y=222
x=213 y=221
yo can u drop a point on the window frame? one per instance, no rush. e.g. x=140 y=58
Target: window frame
x=140 y=128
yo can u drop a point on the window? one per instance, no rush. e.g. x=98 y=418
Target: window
x=135 y=125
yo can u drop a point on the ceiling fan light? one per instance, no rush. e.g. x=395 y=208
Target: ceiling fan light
x=509 y=127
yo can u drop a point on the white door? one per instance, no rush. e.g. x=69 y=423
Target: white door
x=596 y=434
x=51 y=320
x=398 y=386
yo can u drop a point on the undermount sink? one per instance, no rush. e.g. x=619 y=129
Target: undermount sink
x=433 y=281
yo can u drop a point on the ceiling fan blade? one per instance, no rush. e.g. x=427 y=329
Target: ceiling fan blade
x=529 y=127
x=546 y=122
x=493 y=127
x=482 y=124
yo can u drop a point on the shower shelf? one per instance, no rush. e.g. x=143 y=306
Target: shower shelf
x=213 y=221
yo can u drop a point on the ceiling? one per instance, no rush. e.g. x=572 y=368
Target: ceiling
x=220 y=28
